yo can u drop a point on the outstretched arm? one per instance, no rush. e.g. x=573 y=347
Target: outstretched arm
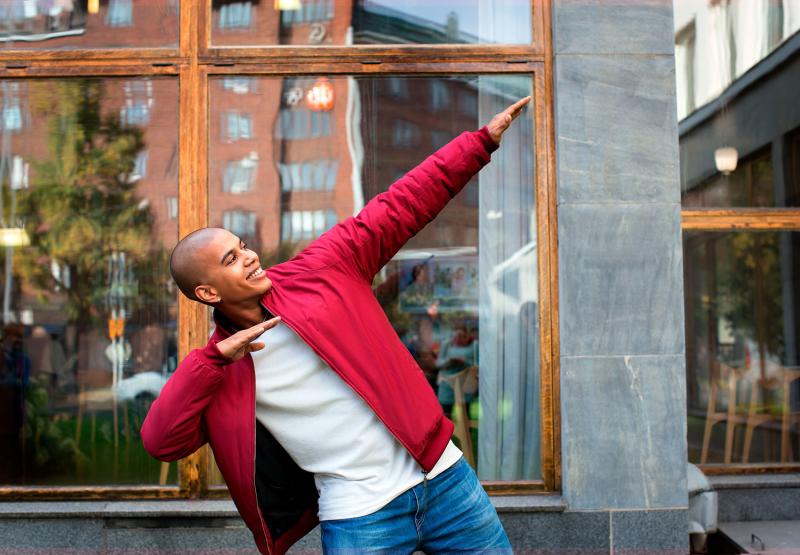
x=370 y=239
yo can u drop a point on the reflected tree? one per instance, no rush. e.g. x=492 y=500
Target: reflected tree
x=82 y=205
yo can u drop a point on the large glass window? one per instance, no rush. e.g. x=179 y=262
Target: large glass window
x=740 y=189
x=742 y=346
x=341 y=22
x=89 y=315
x=102 y=169
x=462 y=294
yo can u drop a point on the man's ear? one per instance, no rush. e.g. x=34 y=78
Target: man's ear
x=207 y=294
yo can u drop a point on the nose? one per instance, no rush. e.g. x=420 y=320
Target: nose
x=250 y=257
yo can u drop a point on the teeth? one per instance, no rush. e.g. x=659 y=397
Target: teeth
x=255 y=273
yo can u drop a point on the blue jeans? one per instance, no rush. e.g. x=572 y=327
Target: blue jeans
x=451 y=514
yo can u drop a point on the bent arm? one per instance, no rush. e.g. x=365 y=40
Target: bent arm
x=370 y=239
x=173 y=427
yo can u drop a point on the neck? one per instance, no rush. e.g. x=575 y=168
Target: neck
x=245 y=315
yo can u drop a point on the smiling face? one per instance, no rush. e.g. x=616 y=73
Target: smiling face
x=232 y=272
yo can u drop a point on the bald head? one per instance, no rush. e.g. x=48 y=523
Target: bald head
x=189 y=260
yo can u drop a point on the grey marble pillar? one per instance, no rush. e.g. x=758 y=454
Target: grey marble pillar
x=620 y=267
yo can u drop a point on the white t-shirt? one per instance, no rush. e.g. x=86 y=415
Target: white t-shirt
x=330 y=431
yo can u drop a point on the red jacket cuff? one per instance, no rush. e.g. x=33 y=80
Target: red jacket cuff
x=486 y=139
x=212 y=356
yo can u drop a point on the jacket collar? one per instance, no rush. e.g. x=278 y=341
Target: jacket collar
x=224 y=326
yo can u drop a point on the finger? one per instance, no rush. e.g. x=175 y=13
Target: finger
x=251 y=333
x=256 y=346
x=272 y=322
x=517 y=107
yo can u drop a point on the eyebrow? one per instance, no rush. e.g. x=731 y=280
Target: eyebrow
x=230 y=252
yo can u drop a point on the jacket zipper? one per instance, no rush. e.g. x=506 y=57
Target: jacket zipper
x=332 y=367
x=255 y=489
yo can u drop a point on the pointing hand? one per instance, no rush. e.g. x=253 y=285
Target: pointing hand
x=498 y=125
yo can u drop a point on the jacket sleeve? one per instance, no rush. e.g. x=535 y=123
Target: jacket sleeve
x=173 y=427
x=370 y=239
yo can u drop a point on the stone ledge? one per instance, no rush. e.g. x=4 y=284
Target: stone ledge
x=214 y=508
x=754 y=481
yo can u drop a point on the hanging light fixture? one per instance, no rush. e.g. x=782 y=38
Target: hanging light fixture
x=93 y=6
x=283 y=5
x=726 y=159
x=320 y=97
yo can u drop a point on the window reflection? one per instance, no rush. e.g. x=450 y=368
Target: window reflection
x=743 y=376
x=89 y=312
x=68 y=24
x=463 y=294
x=339 y=22
x=718 y=42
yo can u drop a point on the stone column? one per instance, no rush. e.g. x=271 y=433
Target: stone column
x=620 y=270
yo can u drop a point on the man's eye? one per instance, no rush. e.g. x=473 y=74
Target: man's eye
x=244 y=246
x=233 y=259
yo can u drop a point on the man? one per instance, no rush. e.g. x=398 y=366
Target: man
x=313 y=407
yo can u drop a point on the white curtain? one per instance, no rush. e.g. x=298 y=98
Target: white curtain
x=750 y=25
x=508 y=434
x=791 y=17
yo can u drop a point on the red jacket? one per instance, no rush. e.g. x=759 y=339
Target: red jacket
x=324 y=294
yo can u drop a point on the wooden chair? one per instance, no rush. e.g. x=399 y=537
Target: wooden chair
x=463 y=382
x=788 y=376
x=721 y=371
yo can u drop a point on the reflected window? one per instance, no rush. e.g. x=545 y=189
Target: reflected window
x=240 y=175
x=304 y=225
x=239 y=85
x=307 y=11
x=139 y=167
x=120 y=13
x=302 y=123
x=237 y=126
x=241 y=223
x=398 y=87
x=235 y=15
x=440 y=95
x=405 y=133
x=308 y=175
x=12 y=110
x=172 y=208
x=138 y=100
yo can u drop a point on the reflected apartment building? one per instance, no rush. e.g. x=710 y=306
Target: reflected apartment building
x=283 y=171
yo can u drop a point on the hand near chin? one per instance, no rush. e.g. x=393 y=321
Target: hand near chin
x=242 y=342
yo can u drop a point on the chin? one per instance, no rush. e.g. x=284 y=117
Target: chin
x=265 y=286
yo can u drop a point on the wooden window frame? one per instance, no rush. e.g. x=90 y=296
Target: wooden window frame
x=195 y=60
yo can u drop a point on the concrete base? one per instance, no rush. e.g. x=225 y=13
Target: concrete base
x=535 y=525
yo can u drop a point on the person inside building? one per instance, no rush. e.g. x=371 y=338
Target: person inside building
x=312 y=405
